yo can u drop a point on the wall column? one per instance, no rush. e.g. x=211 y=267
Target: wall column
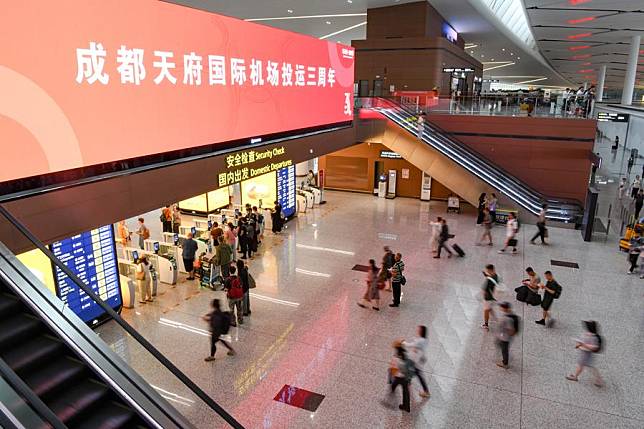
x=600 y=83
x=631 y=71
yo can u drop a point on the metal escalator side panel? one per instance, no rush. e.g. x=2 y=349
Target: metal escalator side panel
x=88 y=347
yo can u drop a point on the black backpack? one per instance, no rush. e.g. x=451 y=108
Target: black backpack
x=557 y=293
x=515 y=323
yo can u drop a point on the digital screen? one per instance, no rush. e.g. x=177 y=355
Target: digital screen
x=135 y=255
x=193 y=230
x=449 y=33
x=156 y=247
x=176 y=239
x=286 y=189
x=197 y=203
x=92 y=257
x=259 y=191
x=612 y=117
x=218 y=198
x=209 y=224
x=98 y=93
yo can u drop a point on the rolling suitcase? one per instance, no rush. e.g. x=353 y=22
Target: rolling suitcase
x=458 y=250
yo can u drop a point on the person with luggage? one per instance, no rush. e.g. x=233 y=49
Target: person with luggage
x=244 y=277
x=188 y=254
x=508 y=328
x=511 y=229
x=490 y=283
x=487 y=227
x=417 y=352
x=551 y=291
x=143 y=232
x=528 y=292
x=542 y=231
x=235 y=295
x=388 y=261
x=401 y=370
x=588 y=345
x=436 y=232
x=372 y=293
x=219 y=323
x=442 y=239
x=635 y=186
x=398 y=279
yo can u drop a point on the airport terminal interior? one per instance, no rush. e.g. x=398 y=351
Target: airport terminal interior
x=307 y=214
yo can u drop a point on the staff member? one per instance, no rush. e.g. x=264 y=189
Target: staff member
x=189 y=250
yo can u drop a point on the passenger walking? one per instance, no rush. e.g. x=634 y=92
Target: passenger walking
x=491 y=205
x=629 y=165
x=542 y=231
x=487 y=227
x=634 y=252
x=490 y=283
x=442 y=239
x=508 y=328
x=244 y=277
x=622 y=188
x=397 y=280
x=639 y=199
x=372 y=293
x=417 y=352
x=511 y=229
x=143 y=232
x=143 y=279
x=635 y=186
x=436 y=232
x=219 y=322
x=401 y=369
x=481 y=206
x=188 y=254
x=176 y=219
x=388 y=261
x=589 y=344
x=166 y=219
x=235 y=295
x=551 y=291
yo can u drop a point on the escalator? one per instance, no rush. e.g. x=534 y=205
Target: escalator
x=484 y=170
x=67 y=386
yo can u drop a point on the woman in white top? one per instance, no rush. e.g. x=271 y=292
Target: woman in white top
x=417 y=352
x=511 y=229
x=143 y=280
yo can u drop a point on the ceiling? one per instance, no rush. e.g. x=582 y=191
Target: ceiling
x=577 y=37
x=345 y=20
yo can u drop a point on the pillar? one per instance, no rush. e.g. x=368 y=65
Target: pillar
x=631 y=71
x=600 y=83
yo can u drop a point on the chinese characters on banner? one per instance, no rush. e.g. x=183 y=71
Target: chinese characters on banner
x=286 y=189
x=220 y=70
x=239 y=166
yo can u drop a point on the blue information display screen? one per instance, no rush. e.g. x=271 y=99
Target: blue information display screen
x=92 y=257
x=286 y=190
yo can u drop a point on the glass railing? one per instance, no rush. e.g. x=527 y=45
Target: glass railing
x=138 y=362
x=562 y=210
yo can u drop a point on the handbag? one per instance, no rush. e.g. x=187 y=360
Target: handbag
x=403 y=280
x=140 y=275
x=251 y=282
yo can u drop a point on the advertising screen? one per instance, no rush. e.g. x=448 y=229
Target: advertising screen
x=259 y=191
x=159 y=77
x=286 y=190
x=92 y=257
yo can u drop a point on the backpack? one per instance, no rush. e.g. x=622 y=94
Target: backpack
x=146 y=233
x=251 y=282
x=515 y=323
x=557 y=293
x=234 y=287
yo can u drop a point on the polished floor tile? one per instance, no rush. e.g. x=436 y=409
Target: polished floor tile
x=307 y=331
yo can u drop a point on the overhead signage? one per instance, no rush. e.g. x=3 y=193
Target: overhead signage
x=458 y=70
x=389 y=154
x=160 y=77
x=92 y=257
x=286 y=190
x=449 y=33
x=252 y=163
x=612 y=117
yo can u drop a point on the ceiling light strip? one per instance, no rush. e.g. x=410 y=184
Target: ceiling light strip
x=282 y=18
x=498 y=67
x=343 y=30
x=530 y=81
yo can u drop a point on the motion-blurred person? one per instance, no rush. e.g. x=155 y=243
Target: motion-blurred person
x=442 y=239
x=541 y=226
x=492 y=279
x=436 y=233
x=511 y=229
x=123 y=234
x=635 y=186
x=401 y=370
x=508 y=327
x=487 y=227
x=589 y=344
x=492 y=202
x=372 y=293
x=639 y=200
x=417 y=351
x=276 y=218
x=219 y=323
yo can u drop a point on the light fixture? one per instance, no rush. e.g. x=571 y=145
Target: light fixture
x=578 y=48
x=518 y=58
x=328 y=23
x=343 y=30
x=349 y=1
x=579 y=36
x=581 y=57
x=471 y=52
x=530 y=81
x=289 y=10
x=492 y=59
x=498 y=67
x=576 y=2
x=281 y=18
x=580 y=20
x=511 y=54
x=503 y=49
x=586 y=71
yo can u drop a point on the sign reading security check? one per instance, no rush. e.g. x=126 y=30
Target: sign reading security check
x=252 y=163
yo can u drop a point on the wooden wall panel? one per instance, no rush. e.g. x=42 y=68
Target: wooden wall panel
x=346 y=172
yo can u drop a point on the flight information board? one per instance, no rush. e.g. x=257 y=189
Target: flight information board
x=286 y=190
x=92 y=257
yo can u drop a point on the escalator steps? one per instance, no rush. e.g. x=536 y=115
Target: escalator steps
x=16 y=329
x=37 y=351
x=109 y=416
x=58 y=374
x=9 y=305
x=78 y=399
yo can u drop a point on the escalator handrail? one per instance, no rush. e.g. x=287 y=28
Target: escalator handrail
x=441 y=133
x=34 y=401
x=125 y=325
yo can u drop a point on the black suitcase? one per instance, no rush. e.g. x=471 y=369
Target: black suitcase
x=458 y=250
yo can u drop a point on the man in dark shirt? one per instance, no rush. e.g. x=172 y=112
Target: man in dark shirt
x=189 y=250
x=219 y=323
x=550 y=289
x=442 y=239
x=490 y=283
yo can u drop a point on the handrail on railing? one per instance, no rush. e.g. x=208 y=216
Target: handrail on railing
x=34 y=401
x=126 y=326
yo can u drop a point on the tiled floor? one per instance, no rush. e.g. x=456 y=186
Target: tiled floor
x=307 y=331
